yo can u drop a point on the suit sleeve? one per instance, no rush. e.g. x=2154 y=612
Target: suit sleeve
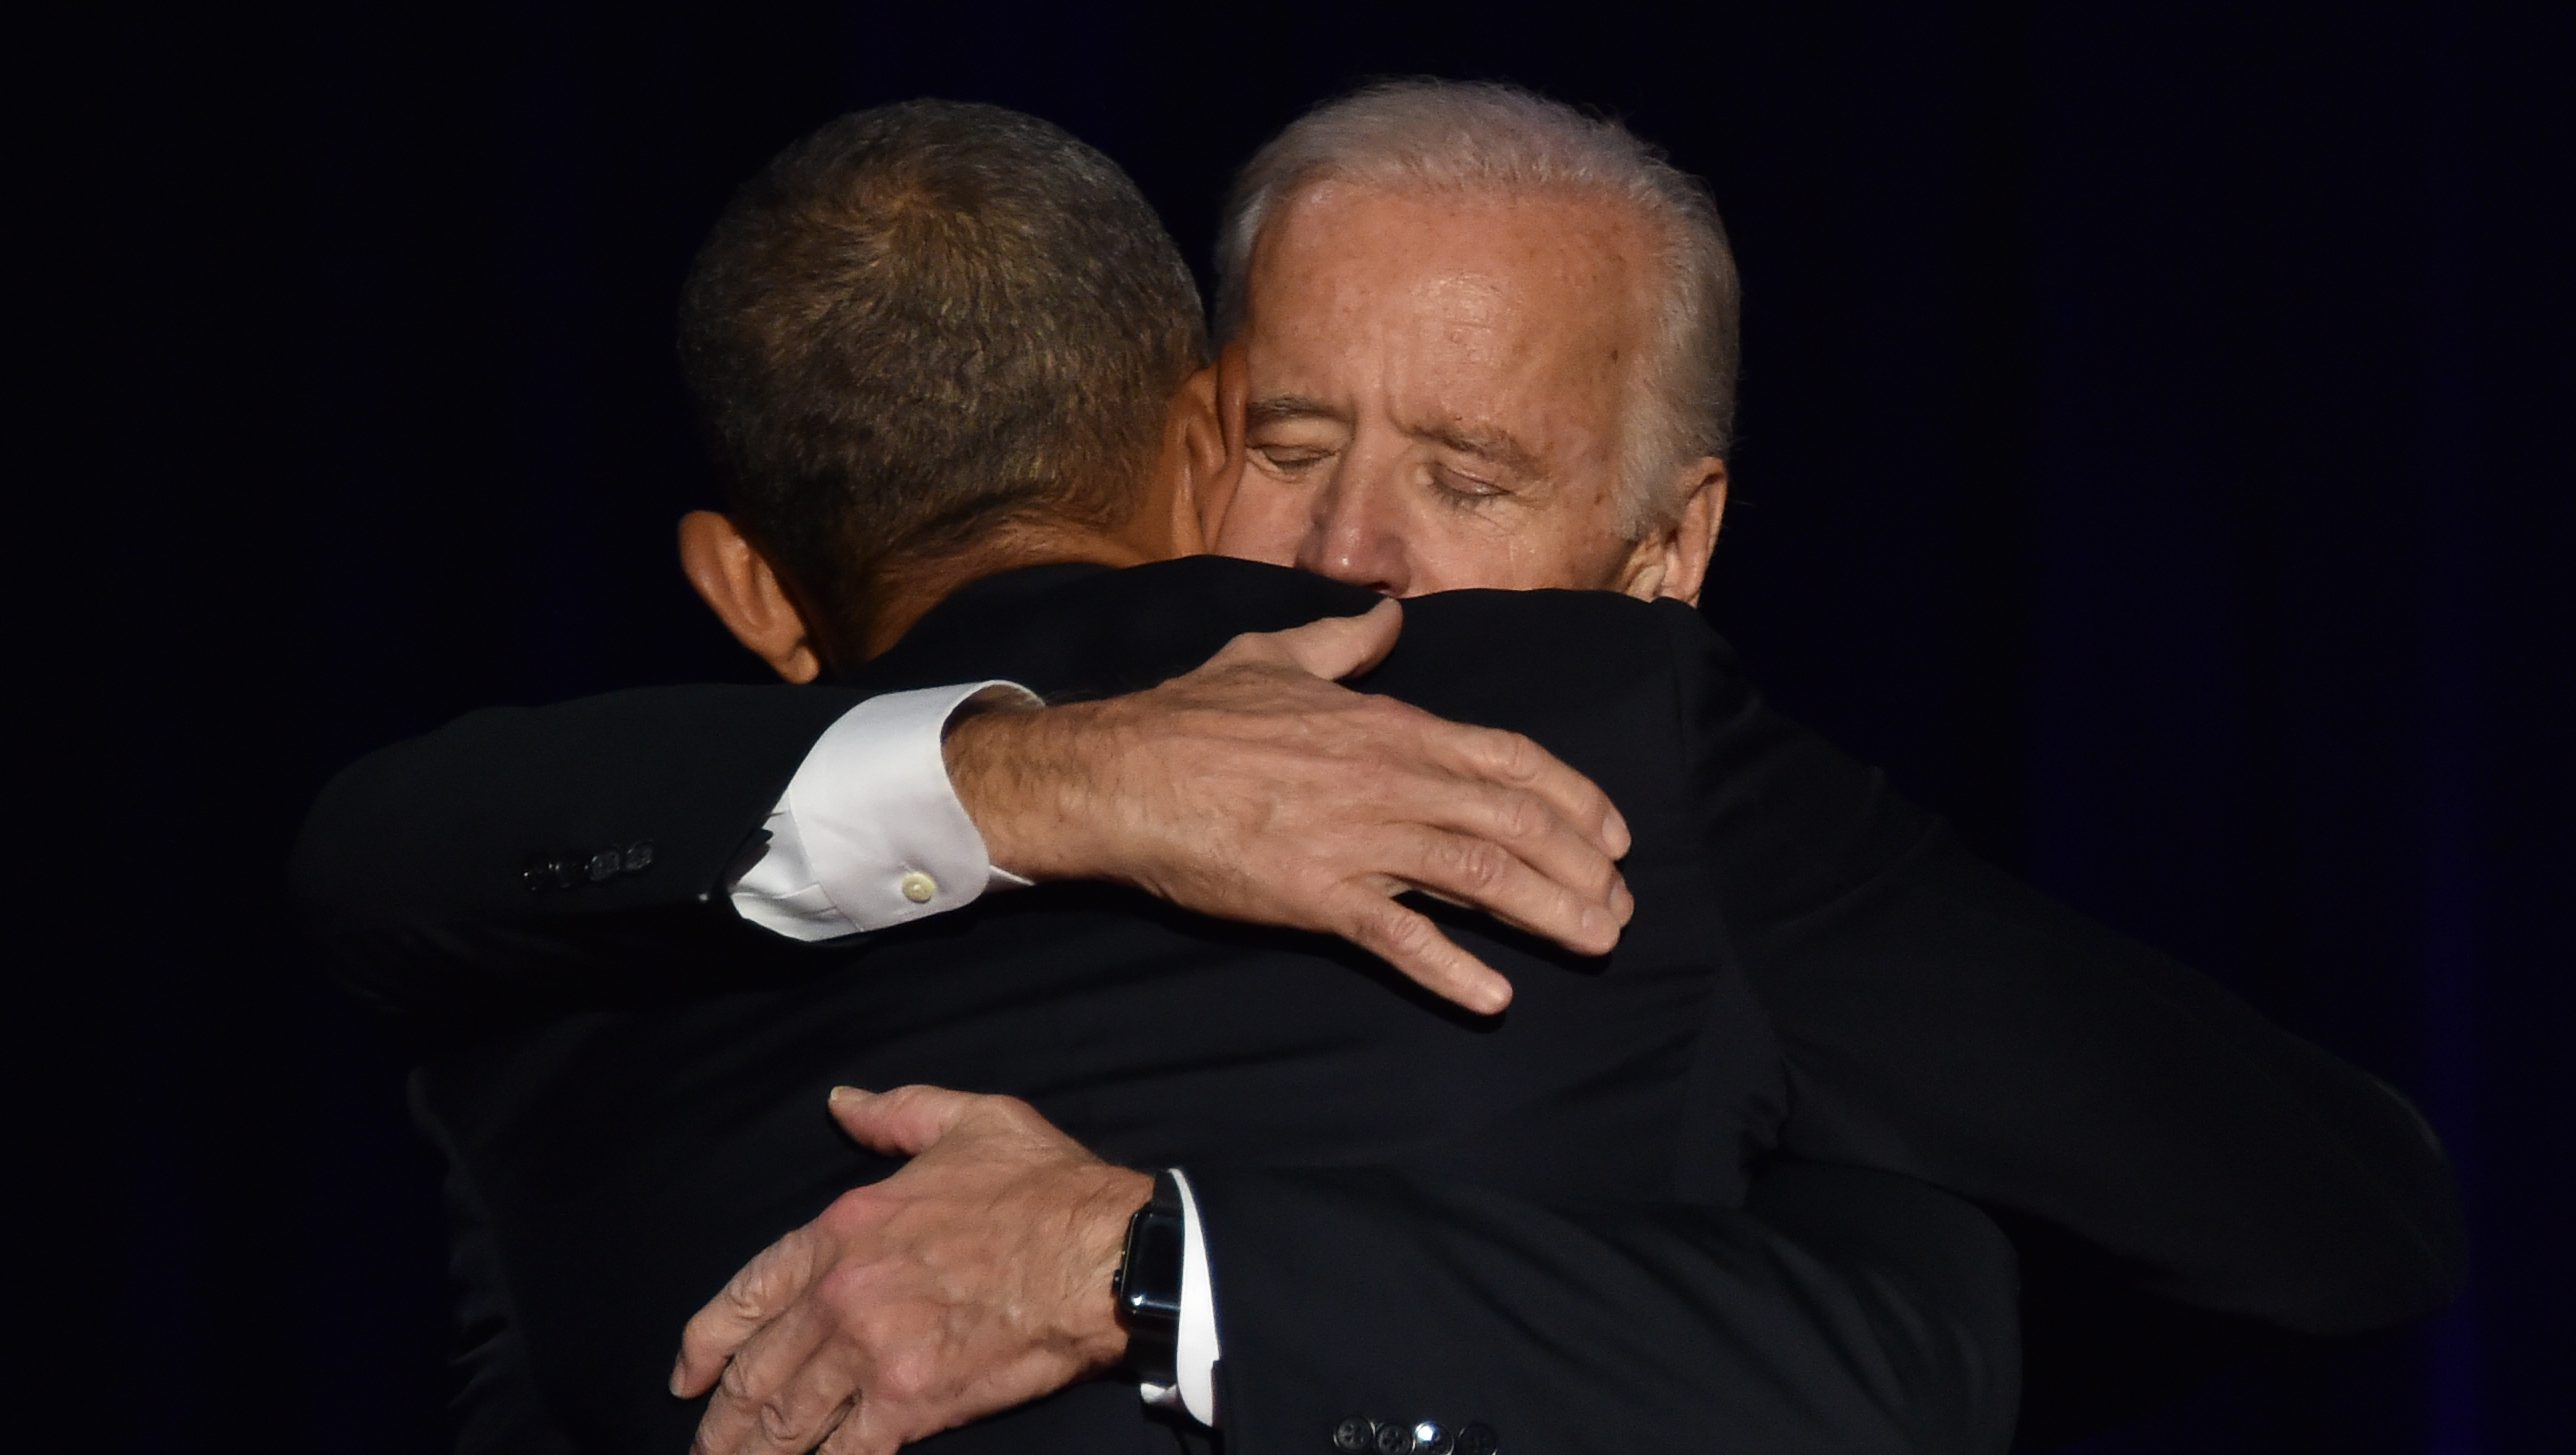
x=1842 y=1310
x=1943 y=1021
x=525 y=855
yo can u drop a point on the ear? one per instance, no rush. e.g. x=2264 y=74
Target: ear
x=1230 y=386
x=1194 y=452
x=1673 y=561
x=737 y=583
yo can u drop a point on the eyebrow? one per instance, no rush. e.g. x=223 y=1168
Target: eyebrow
x=1495 y=445
x=1280 y=408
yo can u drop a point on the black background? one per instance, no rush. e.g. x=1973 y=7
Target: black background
x=2154 y=452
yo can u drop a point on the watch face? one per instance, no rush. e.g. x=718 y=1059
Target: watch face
x=1149 y=1277
x=1148 y=1285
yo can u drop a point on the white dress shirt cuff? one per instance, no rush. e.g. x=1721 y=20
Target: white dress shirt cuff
x=870 y=834
x=1195 y=1353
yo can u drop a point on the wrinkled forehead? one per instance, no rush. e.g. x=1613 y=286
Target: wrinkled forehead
x=1564 y=250
x=1557 y=282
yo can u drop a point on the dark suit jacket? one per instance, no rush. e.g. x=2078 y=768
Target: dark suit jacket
x=1531 y=1224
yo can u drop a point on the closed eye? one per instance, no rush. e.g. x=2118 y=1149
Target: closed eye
x=1290 y=460
x=1464 y=490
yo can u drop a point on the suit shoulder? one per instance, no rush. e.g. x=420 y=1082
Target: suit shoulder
x=1575 y=670
x=1078 y=629
x=1573 y=636
x=1249 y=595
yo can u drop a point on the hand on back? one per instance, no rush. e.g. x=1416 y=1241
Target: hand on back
x=1256 y=788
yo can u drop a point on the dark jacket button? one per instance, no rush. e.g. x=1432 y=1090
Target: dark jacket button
x=1394 y=1439
x=1430 y=1437
x=1478 y=1440
x=538 y=873
x=1354 y=1436
x=639 y=856
x=604 y=865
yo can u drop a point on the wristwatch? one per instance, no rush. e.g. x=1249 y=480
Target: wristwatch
x=1148 y=1284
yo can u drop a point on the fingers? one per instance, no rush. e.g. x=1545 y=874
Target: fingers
x=1357 y=799
x=1509 y=758
x=1574 y=871
x=765 y=1288
x=1501 y=825
x=1334 y=647
x=903 y=1122
x=776 y=1393
x=859 y=1434
x=845 y=1433
x=1534 y=894
x=1410 y=942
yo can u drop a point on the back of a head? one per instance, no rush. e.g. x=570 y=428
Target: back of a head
x=923 y=321
x=1430 y=135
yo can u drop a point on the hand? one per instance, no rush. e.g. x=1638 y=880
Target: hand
x=974 y=1280
x=1256 y=789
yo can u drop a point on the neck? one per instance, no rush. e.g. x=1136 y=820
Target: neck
x=906 y=592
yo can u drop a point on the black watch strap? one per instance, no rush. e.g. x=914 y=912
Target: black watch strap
x=1148 y=1285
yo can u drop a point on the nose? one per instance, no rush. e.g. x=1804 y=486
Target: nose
x=1351 y=536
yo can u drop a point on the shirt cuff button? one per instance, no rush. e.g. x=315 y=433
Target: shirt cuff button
x=917 y=887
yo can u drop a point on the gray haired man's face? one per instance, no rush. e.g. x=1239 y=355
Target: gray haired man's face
x=1432 y=389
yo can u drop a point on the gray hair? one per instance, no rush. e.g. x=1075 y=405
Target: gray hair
x=1484 y=136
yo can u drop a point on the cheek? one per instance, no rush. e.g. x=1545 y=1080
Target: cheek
x=1593 y=561
x=1459 y=554
x=1586 y=549
x=1541 y=551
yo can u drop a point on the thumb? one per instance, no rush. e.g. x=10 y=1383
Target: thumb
x=904 y=1122
x=1343 y=646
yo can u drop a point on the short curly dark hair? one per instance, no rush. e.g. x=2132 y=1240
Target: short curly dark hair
x=924 y=320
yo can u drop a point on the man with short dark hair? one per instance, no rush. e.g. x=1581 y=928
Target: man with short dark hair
x=1004 y=416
